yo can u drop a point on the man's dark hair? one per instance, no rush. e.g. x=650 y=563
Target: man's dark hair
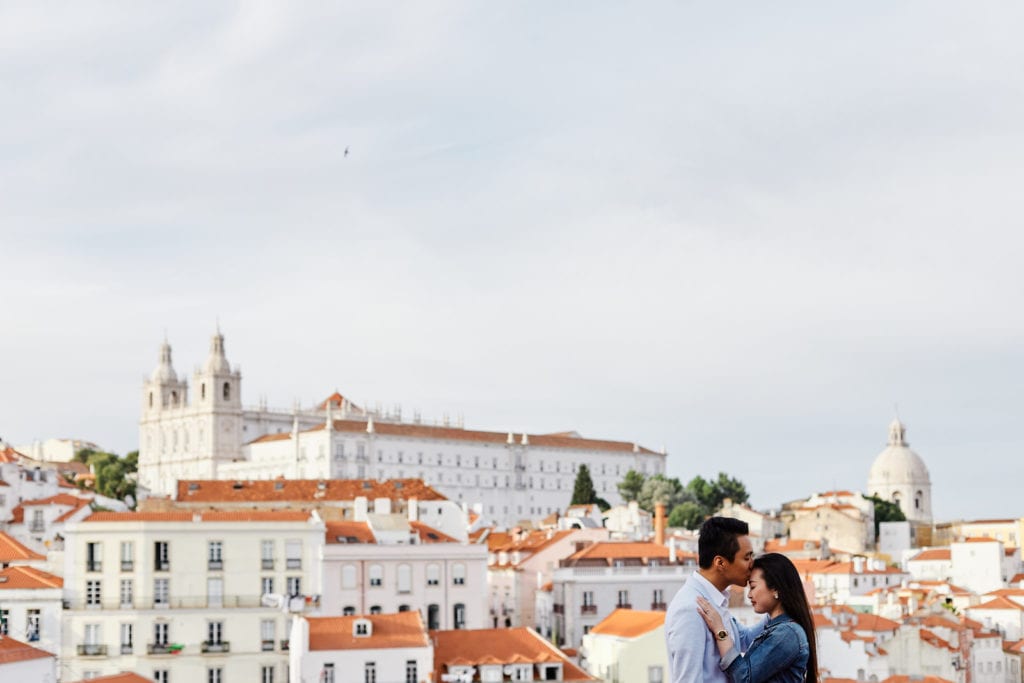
x=718 y=537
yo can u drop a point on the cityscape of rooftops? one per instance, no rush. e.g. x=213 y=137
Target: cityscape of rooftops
x=415 y=343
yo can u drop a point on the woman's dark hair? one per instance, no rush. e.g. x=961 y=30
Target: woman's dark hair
x=718 y=536
x=782 y=577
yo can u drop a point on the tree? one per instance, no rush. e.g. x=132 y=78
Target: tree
x=630 y=486
x=583 y=492
x=660 y=489
x=732 y=488
x=111 y=471
x=711 y=494
x=886 y=511
x=688 y=515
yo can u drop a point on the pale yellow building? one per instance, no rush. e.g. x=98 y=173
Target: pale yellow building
x=627 y=646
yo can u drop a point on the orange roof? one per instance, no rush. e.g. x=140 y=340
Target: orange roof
x=119 y=678
x=12 y=550
x=789 y=545
x=497 y=540
x=531 y=542
x=980 y=539
x=59 y=499
x=12 y=650
x=627 y=623
x=932 y=554
x=349 y=532
x=621 y=550
x=1007 y=592
x=204 y=516
x=837 y=493
x=873 y=622
x=420 y=431
x=916 y=679
x=933 y=640
x=18 y=576
x=999 y=603
x=304 y=490
x=429 y=534
x=335 y=400
x=847 y=568
x=518 y=645
x=821 y=621
x=8 y=454
x=402 y=629
x=1015 y=648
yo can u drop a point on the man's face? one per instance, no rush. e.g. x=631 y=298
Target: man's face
x=738 y=571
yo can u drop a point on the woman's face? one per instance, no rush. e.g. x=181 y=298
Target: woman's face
x=761 y=596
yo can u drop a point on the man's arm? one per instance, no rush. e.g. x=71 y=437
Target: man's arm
x=686 y=637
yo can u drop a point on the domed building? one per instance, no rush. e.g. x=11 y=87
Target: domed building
x=900 y=475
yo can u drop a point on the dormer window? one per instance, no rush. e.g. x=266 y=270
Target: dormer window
x=362 y=628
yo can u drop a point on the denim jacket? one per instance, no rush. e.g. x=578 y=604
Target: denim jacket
x=778 y=654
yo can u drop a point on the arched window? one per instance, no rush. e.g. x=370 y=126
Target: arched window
x=458 y=574
x=459 y=616
x=202 y=391
x=376 y=573
x=151 y=399
x=174 y=398
x=433 y=617
x=348 y=611
x=348 y=576
x=375 y=609
x=403 y=608
x=404 y=578
x=433 y=575
x=227 y=391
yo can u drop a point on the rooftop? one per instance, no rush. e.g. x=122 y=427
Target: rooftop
x=628 y=623
x=11 y=550
x=19 y=577
x=403 y=629
x=12 y=650
x=499 y=646
x=204 y=516
x=304 y=490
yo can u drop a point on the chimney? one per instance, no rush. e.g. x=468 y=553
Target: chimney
x=414 y=510
x=659 y=523
x=672 y=550
x=360 y=509
x=858 y=565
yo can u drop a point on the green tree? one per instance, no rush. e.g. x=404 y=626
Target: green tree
x=886 y=511
x=732 y=488
x=688 y=515
x=112 y=472
x=583 y=492
x=711 y=494
x=631 y=485
x=660 y=489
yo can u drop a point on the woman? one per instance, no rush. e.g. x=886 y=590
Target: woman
x=785 y=650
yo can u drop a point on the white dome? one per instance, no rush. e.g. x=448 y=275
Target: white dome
x=897 y=464
x=164 y=372
x=217 y=362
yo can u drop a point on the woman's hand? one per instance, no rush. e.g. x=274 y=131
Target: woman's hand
x=710 y=615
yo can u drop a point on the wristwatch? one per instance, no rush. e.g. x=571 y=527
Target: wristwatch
x=722 y=635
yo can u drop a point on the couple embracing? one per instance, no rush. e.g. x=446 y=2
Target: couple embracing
x=706 y=645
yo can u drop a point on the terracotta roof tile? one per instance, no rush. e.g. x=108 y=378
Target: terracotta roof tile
x=628 y=623
x=8 y=455
x=119 y=678
x=873 y=622
x=18 y=577
x=12 y=550
x=624 y=550
x=933 y=640
x=999 y=603
x=12 y=650
x=403 y=629
x=916 y=679
x=302 y=490
x=932 y=554
x=203 y=516
x=349 y=532
x=790 y=545
x=59 y=499
x=499 y=646
x=429 y=534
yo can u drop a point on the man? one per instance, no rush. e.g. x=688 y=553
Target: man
x=725 y=558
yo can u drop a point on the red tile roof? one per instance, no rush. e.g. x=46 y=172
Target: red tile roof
x=790 y=545
x=403 y=629
x=916 y=679
x=59 y=499
x=873 y=622
x=429 y=534
x=499 y=646
x=18 y=577
x=8 y=454
x=628 y=623
x=933 y=640
x=119 y=678
x=999 y=603
x=11 y=550
x=932 y=554
x=415 y=431
x=203 y=516
x=626 y=550
x=301 y=490
x=12 y=650
x=349 y=532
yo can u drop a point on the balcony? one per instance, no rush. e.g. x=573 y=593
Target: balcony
x=36 y=527
x=267 y=646
x=588 y=609
x=159 y=566
x=658 y=606
x=293 y=563
x=557 y=608
x=92 y=650
x=94 y=566
x=127 y=648
x=218 y=647
x=624 y=605
x=163 y=648
x=215 y=565
x=127 y=565
x=284 y=646
x=267 y=563
x=202 y=602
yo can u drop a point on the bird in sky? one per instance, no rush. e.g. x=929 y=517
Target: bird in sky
x=346 y=151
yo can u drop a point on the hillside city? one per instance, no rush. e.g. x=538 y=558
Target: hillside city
x=341 y=542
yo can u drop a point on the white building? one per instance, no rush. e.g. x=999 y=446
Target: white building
x=22 y=662
x=837 y=582
x=21 y=480
x=983 y=564
x=389 y=648
x=497 y=655
x=593 y=582
x=30 y=606
x=899 y=475
x=187 y=595
x=931 y=564
x=57 y=450
x=627 y=646
x=208 y=434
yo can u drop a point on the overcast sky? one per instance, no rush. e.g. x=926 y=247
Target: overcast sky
x=743 y=232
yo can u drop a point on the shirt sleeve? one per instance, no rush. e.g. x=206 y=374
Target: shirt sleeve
x=685 y=639
x=748 y=633
x=766 y=658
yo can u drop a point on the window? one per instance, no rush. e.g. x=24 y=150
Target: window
x=216 y=674
x=459 y=615
x=266 y=585
x=655 y=674
x=433 y=575
x=161 y=592
x=162 y=676
x=161 y=631
x=93 y=557
x=32 y=625
x=215 y=555
x=348 y=611
x=127 y=556
x=339 y=451
x=410 y=671
x=624 y=599
x=37 y=525
x=92 y=593
x=294 y=585
x=127 y=593
x=227 y=397
x=404 y=578
x=161 y=556
x=327 y=675
x=266 y=554
x=215 y=632
x=267 y=634
x=127 y=638
x=214 y=592
x=266 y=674
x=376 y=573
x=348 y=576
x=433 y=617
x=5 y=615
x=293 y=554
x=375 y=609
x=658 y=599
x=370 y=672
x=458 y=574
x=588 y=598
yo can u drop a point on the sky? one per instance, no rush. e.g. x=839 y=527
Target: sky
x=750 y=233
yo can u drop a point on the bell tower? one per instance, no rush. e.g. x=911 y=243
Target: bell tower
x=217 y=405
x=164 y=399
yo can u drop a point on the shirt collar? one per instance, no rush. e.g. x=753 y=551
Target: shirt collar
x=721 y=598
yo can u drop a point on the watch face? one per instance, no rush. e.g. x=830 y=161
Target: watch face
x=722 y=635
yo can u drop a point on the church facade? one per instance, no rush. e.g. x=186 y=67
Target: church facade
x=201 y=430
x=899 y=475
